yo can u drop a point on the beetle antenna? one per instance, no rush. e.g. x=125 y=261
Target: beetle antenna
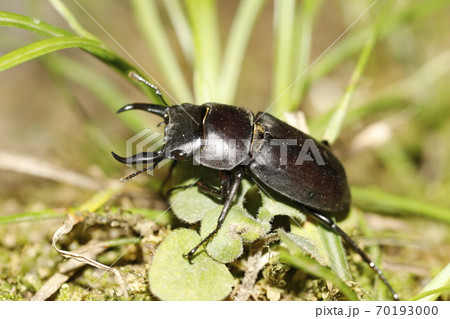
x=133 y=175
x=139 y=78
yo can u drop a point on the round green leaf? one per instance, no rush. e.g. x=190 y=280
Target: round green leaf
x=188 y=203
x=173 y=278
x=239 y=227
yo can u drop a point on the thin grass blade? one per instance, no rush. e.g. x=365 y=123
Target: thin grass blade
x=284 y=17
x=71 y=20
x=180 y=23
x=435 y=287
x=203 y=18
x=335 y=125
x=152 y=28
x=305 y=18
x=383 y=203
x=238 y=39
x=310 y=266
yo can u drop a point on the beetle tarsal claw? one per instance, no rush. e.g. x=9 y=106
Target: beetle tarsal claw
x=188 y=257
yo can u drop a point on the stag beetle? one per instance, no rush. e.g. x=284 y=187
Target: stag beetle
x=262 y=146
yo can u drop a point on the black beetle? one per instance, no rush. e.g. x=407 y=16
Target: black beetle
x=232 y=139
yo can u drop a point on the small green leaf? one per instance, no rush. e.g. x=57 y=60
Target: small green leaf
x=173 y=278
x=190 y=205
x=187 y=201
x=239 y=227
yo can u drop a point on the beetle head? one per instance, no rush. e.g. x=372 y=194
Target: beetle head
x=182 y=134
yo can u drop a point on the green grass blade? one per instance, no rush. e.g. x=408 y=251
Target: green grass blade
x=63 y=40
x=204 y=19
x=180 y=23
x=334 y=252
x=238 y=39
x=122 y=241
x=380 y=202
x=394 y=96
x=46 y=46
x=71 y=20
x=424 y=296
x=305 y=18
x=100 y=198
x=32 y=216
x=435 y=287
x=284 y=17
x=9 y=19
x=149 y=22
x=335 y=125
x=310 y=266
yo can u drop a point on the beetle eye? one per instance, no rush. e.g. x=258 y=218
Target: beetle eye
x=179 y=155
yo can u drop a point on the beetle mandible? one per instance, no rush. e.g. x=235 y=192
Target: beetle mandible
x=203 y=133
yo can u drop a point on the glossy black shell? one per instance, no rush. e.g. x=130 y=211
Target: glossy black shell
x=204 y=132
x=319 y=185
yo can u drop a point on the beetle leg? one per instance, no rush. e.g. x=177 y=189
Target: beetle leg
x=347 y=239
x=237 y=176
x=165 y=194
x=203 y=188
x=221 y=192
x=209 y=190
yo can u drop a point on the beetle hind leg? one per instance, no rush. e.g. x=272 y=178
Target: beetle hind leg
x=349 y=241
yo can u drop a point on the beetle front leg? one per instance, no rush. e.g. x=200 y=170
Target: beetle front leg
x=237 y=176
